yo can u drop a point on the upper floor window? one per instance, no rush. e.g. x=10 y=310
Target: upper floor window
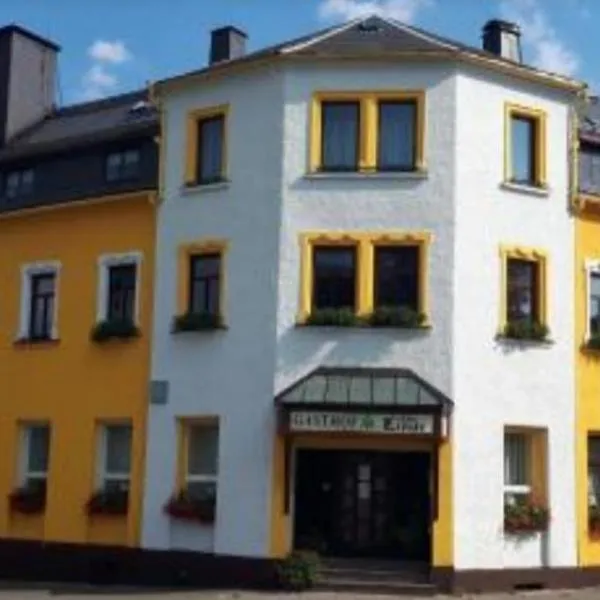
x=123 y=165
x=522 y=290
x=121 y=292
x=334 y=272
x=35 y=439
x=517 y=466
x=367 y=131
x=593 y=442
x=526 y=146
x=19 y=183
x=201 y=459
x=115 y=457
x=205 y=283
x=589 y=169
x=397 y=276
x=206 y=146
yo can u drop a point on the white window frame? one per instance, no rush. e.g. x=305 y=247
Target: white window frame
x=521 y=489
x=105 y=262
x=28 y=271
x=102 y=475
x=189 y=478
x=25 y=451
x=591 y=267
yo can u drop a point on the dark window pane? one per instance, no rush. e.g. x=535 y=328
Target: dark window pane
x=121 y=292
x=595 y=303
x=589 y=169
x=522 y=290
x=397 y=276
x=205 y=275
x=123 y=166
x=594 y=471
x=334 y=276
x=38 y=448
x=396 y=141
x=41 y=310
x=341 y=124
x=210 y=149
x=524 y=150
x=19 y=183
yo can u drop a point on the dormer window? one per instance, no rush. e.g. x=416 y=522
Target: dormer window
x=123 y=165
x=18 y=183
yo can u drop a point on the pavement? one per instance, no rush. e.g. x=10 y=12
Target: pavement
x=103 y=593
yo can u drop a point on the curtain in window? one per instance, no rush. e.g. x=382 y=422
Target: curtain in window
x=396 y=149
x=521 y=289
x=340 y=135
x=210 y=150
x=516 y=460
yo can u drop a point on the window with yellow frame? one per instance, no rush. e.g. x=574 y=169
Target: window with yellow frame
x=368 y=278
x=525 y=146
x=201 y=286
x=524 y=285
x=206 y=146
x=367 y=131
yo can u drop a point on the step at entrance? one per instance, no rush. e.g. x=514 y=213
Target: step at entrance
x=376 y=576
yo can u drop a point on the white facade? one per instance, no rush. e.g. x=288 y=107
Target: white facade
x=270 y=200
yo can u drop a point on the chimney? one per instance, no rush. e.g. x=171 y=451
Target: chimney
x=27 y=80
x=227 y=43
x=503 y=39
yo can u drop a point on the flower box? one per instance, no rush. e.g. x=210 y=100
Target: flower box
x=336 y=317
x=526 y=329
x=403 y=317
x=114 y=329
x=201 y=321
x=183 y=506
x=526 y=517
x=108 y=502
x=27 y=500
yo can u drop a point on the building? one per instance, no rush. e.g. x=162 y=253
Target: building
x=586 y=208
x=77 y=230
x=362 y=341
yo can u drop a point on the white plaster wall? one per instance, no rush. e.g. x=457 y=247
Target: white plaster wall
x=496 y=384
x=368 y=204
x=229 y=373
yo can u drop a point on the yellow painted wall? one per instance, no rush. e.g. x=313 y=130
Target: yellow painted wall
x=74 y=383
x=281 y=526
x=587 y=381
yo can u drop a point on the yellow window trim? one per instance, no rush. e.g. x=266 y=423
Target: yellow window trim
x=184 y=424
x=191 y=154
x=539 y=116
x=365 y=243
x=184 y=254
x=534 y=255
x=368 y=127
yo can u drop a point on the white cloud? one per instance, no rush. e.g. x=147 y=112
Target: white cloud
x=402 y=10
x=97 y=82
x=549 y=51
x=111 y=52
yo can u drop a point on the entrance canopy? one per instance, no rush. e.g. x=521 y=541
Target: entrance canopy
x=364 y=400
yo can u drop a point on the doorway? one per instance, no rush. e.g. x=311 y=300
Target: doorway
x=363 y=504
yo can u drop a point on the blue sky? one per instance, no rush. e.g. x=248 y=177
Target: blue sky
x=110 y=47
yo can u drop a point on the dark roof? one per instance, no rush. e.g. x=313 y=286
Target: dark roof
x=118 y=117
x=364 y=386
x=375 y=36
x=589 y=122
x=13 y=28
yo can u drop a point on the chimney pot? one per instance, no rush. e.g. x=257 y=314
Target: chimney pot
x=227 y=43
x=503 y=39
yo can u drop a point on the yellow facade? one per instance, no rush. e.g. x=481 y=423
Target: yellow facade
x=587 y=236
x=73 y=383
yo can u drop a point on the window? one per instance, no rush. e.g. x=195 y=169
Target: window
x=206 y=160
x=18 y=183
x=396 y=148
x=201 y=442
x=205 y=284
x=115 y=457
x=589 y=169
x=364 y=272
x=118 y=287
x=334 y=269
x=121 y=292
x=517 y=466
x=594 y=304
x=123 y=166
x=525 y=146
x=367 y=131
x=524 y=274
x=594 y=471
x=397 y=276
x=35 y=454
x=41 y=311
x=341 y=122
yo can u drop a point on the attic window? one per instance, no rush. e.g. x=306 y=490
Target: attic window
x=368 y=28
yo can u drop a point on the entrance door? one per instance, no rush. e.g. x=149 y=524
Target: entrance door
x=364 y=503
